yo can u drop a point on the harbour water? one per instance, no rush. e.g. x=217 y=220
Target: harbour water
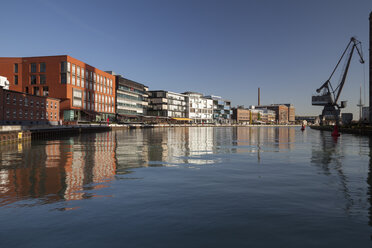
x=188 y=187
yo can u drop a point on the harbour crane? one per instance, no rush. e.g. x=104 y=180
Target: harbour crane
x=328 y=95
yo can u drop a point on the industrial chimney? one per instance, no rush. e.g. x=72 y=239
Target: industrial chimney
x=259 y=103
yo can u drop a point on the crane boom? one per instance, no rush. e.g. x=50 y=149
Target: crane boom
x=330 y=96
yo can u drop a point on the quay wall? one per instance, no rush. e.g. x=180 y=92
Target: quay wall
x=357 y=130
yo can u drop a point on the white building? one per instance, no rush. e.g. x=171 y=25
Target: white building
x=4 y=83
x=199 y=109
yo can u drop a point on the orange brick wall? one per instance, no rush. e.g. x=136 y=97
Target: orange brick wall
x=52 y=73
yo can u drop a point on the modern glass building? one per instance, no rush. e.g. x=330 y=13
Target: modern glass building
x=167 y=104
x=131 y=99
x=221 y=109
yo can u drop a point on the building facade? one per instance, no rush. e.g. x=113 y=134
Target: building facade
x=284 y=113
x=241 y=116
x=86 y=93
x=253 y=116
x=221 y=109
x=19 y=108
x=131 y=99
x=167 y=104
x=199 y=109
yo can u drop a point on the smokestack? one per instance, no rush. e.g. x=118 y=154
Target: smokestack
x=370 y=67
x=259 y=103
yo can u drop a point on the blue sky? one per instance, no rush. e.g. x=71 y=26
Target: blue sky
x=226 y=48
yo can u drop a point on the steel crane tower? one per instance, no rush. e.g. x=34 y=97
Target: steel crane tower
x=328 y=95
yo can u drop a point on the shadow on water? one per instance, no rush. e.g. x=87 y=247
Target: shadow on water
x=369 y=183
x=328 y=156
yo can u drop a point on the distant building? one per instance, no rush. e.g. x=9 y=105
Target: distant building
x=307 y=118
x=284 y=113
x=86 y=92
x=253 y=116
x=199 y=109
x=167 y=104
x=221 y=109
x=241 y=116
x=131 y=99
x=17 y=108
x=365 y=114
x=346 y=118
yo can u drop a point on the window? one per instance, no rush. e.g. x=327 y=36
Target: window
x=36 y=91
x=26 y=89
x=14 y=100
x=33 y=67
x=63 y=66
x=45 y=91
x=68 y=66
x=7 y=98
x=51 y=115
x=42 y=79
x=51 y=105
x=42 y=67
x=78 y=70
x=63 y=78
x=47 y=104
x=55 y=116
x=82 y=73
x=26 y=101
x=73 y=80
x=73 y=69
x=33 y=79
x=55 y=105
x=15 y=68
x=16 y=79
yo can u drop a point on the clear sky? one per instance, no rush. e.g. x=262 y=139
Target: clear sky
x=227 y=48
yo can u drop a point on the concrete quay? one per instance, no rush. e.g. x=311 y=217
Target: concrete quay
x=366 y=131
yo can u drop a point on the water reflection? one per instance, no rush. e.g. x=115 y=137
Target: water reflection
x=75 y=168
x=53 y=170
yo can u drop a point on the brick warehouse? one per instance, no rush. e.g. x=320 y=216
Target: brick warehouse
x=19 y=108
x=86 y=93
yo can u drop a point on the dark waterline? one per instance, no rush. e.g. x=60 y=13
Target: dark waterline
x=188 y=187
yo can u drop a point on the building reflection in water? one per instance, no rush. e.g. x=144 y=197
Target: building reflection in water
x=260 y=139
x=56 y=170
x=70 y=169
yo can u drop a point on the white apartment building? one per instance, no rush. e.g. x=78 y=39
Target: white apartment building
x=199 y=109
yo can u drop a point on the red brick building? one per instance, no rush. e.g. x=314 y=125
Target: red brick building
x=19 y=108
x=285 y=113
x=86 y=93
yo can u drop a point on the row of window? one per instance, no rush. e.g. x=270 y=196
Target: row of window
x=27 y=102
x=42 y=79
x=33 y=67
x=66 y=79
x=38 y=115
x=81 y=72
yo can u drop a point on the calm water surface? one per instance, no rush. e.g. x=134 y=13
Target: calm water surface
x=188 y=187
